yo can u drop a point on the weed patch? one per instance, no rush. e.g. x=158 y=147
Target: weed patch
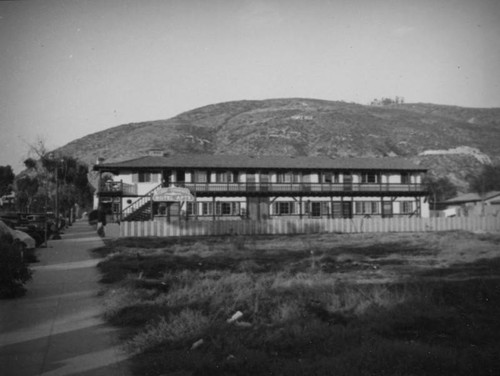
x=314 y=309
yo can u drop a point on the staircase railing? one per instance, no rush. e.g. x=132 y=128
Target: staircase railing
x=139 y=203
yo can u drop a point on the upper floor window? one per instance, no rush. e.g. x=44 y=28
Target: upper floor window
x=226 y=177
x=288 y=177
x=405 y=178
x=370 y=177
x=200 y=176
x=147 y=177
x=329 y=177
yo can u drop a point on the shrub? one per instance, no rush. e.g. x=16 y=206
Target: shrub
x=14 y=271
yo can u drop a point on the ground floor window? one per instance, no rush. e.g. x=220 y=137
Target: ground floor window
x=227 y=208
x=319 y=208
x=285 y=208
x=367 y=207
x=406 y=207
x=207 y=208
x=191 y=208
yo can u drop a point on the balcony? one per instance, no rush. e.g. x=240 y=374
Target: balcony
x=117 y=188
x=301 y=188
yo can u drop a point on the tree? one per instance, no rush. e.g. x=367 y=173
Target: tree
x=6 y=180
x=440 y=189
x=48 y=173
x=487 y=180
x=27 y=189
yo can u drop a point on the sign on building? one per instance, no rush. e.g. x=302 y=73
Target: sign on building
x=173 y=194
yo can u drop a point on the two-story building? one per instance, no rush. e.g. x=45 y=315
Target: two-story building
x=198 y=187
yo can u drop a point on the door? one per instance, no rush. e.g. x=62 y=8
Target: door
x=263 y=207
x=315 y=209
x=173 y=210
x=251 y=184
x=180 y=177
x=387 y=209
x=264 y=181
x=253 y=208
x=258 y=208
x=337 y=209
x=347 y=182
x=166 y=178
x=347 y=210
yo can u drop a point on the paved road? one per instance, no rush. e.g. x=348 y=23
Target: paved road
x=57 y=328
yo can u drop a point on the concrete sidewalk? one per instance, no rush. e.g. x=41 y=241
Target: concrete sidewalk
x=57 y=327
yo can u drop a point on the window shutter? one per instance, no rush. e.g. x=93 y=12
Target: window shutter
x=135 y=177
x=155 y=178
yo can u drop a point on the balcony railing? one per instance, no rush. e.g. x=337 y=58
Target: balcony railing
x=301 y=187
x=123 y=189
x=118 y=188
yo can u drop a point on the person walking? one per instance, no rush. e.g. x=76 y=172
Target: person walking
x=101 y=222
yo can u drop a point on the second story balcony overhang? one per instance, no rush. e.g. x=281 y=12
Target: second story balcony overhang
x=275 y=189
x=302 y=189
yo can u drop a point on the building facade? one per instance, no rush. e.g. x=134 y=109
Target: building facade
x=214 y=187
x=473 y=204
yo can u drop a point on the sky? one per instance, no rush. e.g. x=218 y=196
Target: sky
x=73 y=68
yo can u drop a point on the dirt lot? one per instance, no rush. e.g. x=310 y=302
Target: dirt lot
x=369 y=304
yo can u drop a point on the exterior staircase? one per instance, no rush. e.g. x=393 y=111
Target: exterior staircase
x=141 y=209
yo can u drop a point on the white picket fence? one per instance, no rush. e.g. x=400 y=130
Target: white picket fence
x=308 y=226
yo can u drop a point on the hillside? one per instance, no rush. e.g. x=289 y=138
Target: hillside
x=452 y=141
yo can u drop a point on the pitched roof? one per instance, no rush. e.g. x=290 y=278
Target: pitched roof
x=471 y=197
x=265 y=162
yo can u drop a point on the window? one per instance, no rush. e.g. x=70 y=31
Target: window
x=206 y=208
x=330 y=177
x=284 y=208
x=233 y=176
x=367 y=207
x=191 y=208
x=288 y=177
x=226 y=177
x=370 y=177
x=200 y=176
x=222 y=177
x=284 y=177
x=223 y=208
x=145 y=177
x=405 y=178
x=406 y=207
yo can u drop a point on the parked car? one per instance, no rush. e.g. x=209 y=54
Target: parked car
x=25 y=243
x=42 y=223
x=19 y=222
